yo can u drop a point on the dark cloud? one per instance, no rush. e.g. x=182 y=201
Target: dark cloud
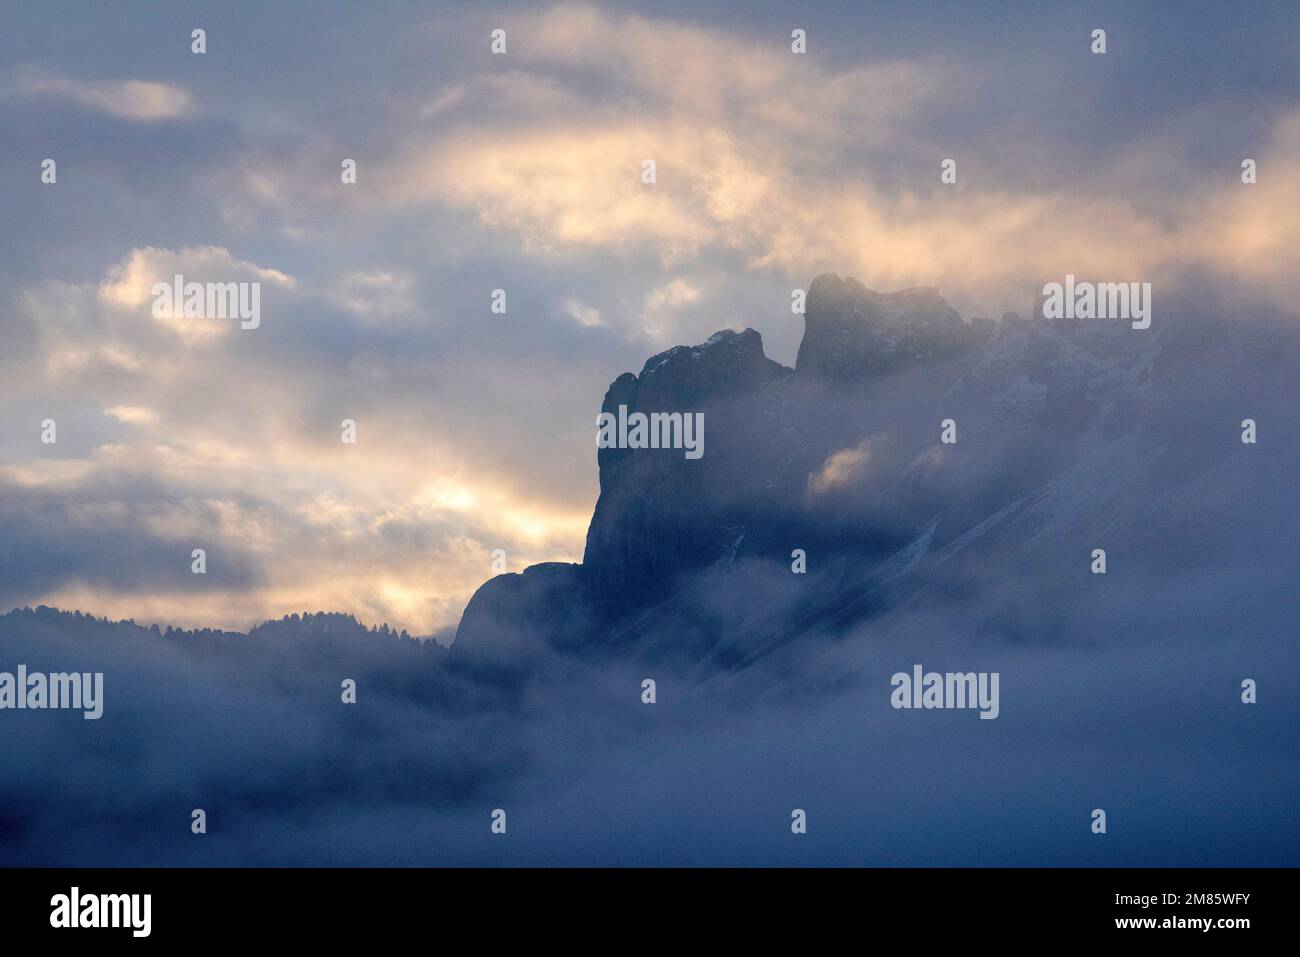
x=99 y=535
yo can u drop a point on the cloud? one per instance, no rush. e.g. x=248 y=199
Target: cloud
x=1253 y=230
x=287 y=531
x=231 y=442
x=142 y=101
x=374 y=296
x=719 y=73
x=662 y=305
x=792 y=166
x=132 y=414
x=129 y=283
x=584 y=315
x=128 y=287
x=554 y=153
x=512 y=91
x=845 y=466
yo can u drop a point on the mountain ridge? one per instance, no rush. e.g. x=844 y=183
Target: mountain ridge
x=793 y=453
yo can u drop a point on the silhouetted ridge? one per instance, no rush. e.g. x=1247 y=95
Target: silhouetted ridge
x=662 y=519
x=1058 y=431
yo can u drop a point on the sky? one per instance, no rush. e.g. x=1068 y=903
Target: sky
x=522 y=171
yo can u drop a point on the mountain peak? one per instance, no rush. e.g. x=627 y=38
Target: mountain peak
x=851 y=331
x=727 y=346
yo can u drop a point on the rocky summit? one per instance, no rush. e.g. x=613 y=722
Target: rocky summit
x=852 y=332
x=909 y=457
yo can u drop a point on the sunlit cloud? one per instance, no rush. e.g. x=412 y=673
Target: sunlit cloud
x=129 y=284
x=753 y=153
x=583 y=314
x=400 y=528
x=845 y=466
x=661 y=307
x=143 y=101
x=133 y=414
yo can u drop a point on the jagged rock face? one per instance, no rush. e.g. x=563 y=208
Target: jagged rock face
x=851 y=332
x=661 y=514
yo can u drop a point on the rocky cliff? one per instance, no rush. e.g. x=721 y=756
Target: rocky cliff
x=1061 y=441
